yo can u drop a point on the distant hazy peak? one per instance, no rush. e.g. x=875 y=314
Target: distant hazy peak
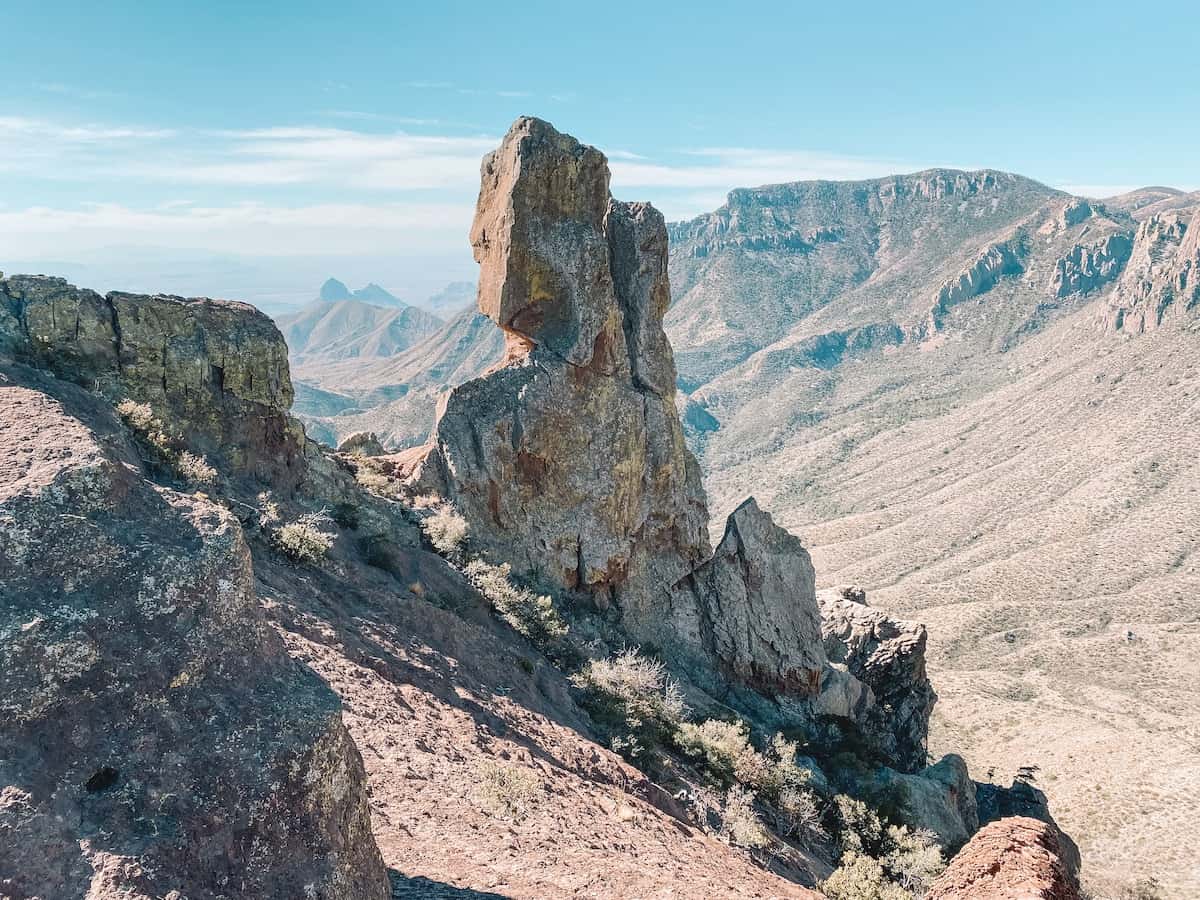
x=373 y=293
x=333 y=289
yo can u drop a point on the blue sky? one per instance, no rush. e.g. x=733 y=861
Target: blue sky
x=249 y=150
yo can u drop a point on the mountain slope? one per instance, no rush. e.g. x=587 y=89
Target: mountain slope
x=350 y=329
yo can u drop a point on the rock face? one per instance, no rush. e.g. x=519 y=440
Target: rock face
x=756 y=615
x=997 y=261
x=1089 y=267
x=888 y=658
x=158 y=740
x=569 y=460
x=1162 y=280
x=940 y=798
x=216 y=369
x=1012 y=859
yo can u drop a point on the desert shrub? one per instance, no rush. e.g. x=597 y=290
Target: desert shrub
x=859 y=828
x=797 y=813
x=740 y=823
x=908 y=861
x=375 y=481
x=506 y=791
x=268 y=510
x=725 y=752
x=1144 y=889
x=723 y=749
x=305 y=539
x=195 y=469
x=533 y=615
x=446 y=529
x=913 y=859
x=141 y=419
x=634 y=699
x=861 y=877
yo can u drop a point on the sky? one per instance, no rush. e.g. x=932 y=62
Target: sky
x=250 y=150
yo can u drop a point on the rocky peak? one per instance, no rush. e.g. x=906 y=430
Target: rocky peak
x=569 y=463
x=1160 y=281
x=333 y=290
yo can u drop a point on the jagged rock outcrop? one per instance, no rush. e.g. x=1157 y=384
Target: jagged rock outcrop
x=157 y=739
x=216 y=369
x=888 y=658
x=1011 y=859
x=1089 y=267
x=568 y=461
x=1161 y=282
x=755 y=614
x=995 y=262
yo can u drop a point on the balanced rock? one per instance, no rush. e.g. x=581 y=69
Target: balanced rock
x=570 y=461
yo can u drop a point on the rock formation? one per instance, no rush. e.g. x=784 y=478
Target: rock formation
x=1162 y=279
x=216 y=369
x=1011 y=859
x=888 y=657
x=1089 y=267
x=158 y=740
x=569 y=461
x=997 y=261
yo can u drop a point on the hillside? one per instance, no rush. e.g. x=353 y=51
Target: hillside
x=333 y=330
x=943 y=381
x=509 y=663
x=1016 y=467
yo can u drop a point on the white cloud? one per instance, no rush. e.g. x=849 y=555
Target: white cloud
x=245 y=228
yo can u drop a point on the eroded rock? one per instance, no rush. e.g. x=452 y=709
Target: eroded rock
x=888 y=657
x=1012 y=859
x=215 y=369
x=1161 y=282
x=157 y=740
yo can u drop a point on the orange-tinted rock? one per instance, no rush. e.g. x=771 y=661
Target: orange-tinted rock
x=1011 y=859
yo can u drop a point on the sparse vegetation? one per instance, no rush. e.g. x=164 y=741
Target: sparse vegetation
x=195 y=469
x=740 y=824
x=157 y=439
x=879 y=861
x=533 y=615
x=506 y=791
x=634 y=699
x=446 y=529
x=305 y=540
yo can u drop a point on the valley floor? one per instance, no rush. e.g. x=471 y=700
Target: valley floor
x=1046 y=530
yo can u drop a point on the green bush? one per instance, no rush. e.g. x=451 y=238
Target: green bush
x=305 y=539
x=533 y=615
x=634 y=699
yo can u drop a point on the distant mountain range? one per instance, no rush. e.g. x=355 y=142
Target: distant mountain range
x=978 y=397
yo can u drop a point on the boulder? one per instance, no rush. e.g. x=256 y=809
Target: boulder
x=158 y=740
x=1012 y=859
x=940 y=798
